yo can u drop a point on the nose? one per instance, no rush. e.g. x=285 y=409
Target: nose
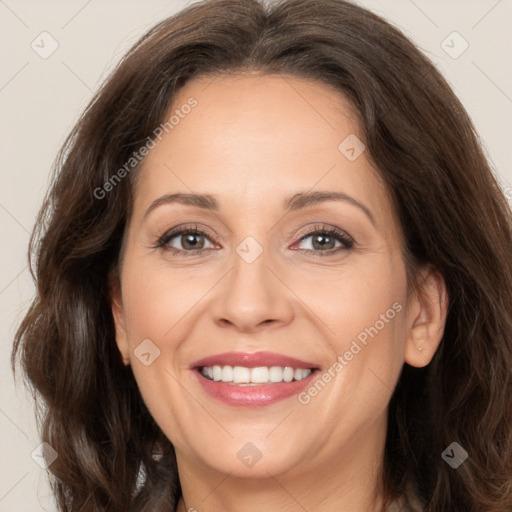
x=253 y=297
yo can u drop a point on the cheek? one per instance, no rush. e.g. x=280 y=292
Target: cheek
x=360 y=301
x=365 y=312
x=161 y=309
x=157 y=300
x=374 y=337
x=373 y=311
x=361 y=310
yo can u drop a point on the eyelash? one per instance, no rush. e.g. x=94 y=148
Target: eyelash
x=335 y=233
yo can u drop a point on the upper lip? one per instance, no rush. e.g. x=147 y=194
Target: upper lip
x=252 y=360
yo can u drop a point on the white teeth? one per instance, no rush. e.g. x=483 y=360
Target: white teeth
x=260 y=375
x=257 y=375
x=288 y=374
x=241 y=374
x=217 y=372
x=276 y=374
x=227 y=374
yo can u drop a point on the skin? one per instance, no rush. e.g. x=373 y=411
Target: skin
x=252 y=141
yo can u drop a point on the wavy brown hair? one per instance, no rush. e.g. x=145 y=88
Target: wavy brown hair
x=452 y=212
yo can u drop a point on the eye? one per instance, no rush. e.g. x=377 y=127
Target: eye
x=185 y=240
x=190 y=240
x=325 y=240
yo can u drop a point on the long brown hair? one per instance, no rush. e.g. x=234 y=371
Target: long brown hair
x=453 y=216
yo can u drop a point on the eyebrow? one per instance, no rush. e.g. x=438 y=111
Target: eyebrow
x=292 y=203
x=303 y=199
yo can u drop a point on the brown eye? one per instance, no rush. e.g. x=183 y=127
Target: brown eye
x=192 y=241
x=325 y=241
x=185 y=241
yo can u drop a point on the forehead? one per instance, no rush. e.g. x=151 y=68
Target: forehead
x=252 y=139
x=272 y=117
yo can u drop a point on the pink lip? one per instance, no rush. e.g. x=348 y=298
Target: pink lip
x=253 y=395
x=252 y=360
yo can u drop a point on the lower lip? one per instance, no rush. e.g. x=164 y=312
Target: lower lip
x=252 y=396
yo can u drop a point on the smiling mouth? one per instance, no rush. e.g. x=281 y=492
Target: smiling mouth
x=254 y=376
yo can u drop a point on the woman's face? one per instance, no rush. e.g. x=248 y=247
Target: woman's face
x=296 y=252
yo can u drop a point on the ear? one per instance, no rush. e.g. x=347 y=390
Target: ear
x=427 y=316
x=116 y=303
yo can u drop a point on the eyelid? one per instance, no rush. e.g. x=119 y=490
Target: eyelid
x=168 y=235
x=342 y=236
x=324 y=228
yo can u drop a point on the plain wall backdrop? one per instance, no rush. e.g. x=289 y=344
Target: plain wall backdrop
x=54 y=56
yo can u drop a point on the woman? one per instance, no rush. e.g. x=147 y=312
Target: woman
x=274 y=272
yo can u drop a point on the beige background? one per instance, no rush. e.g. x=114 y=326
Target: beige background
x=41 y=99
